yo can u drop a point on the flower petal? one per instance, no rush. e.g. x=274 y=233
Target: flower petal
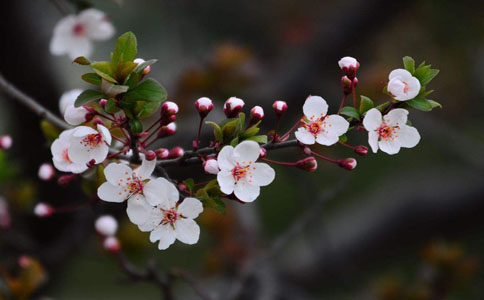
x=226 y=159
x=391 y=146
x=187 y=231
x=402 y=73
x=245 y=191
x=75 y=115
x=79 y=46
x=98 y=27
x=326 y=139
x=99 y=153
x=372 y=120
x=190 y=208
x=82 y=131
x=247 y=152
x=147 y=167
x=154 y=219
x=262 y=174
x=138 y=209
x=165 y=234
x=315 y=107
x=373 y=140
x=304 y=136
x=161 y=192
x=116 y=173
x=104 y=133
x=396 y=117
x=111 y=193
x=226 y=182
x=408 y=136
x=336 y=125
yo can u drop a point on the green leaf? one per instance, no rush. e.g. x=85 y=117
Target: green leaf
x=217 y=131
x=92 y=78
x=149 y=90
x=128 y=108
x=425 y=74
x=350 y=112
x=261 y=139
x=136 y=126
x=133 y=80
x=82 y=61
x=112 y=90
x=241 y=121
x=383 y=106
x=420 y=104
x=409 y=64
x=343 y=138
x=88 y=96
x=50 y=131
x=146 y=109
x=365 y=104
x=434 y=104
x=104 y=69
x=111 y=106
x=125 y=50
x=234 y=142
x=251 y=131
x=190 y=183
x=230 y=130
x=124 y=70
x=143 y=65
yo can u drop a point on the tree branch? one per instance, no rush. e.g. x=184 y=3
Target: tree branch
x=29 y=102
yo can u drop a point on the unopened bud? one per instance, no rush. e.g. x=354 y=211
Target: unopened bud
x=43 y=210
x=24 y=261
x=112 y=244
x=204 y=105
x=150 y=155
x=307 y=150
x=347 y=163
x=46 y=172
x=279 y=107
x=5 y=142
x=349 y=65
x=98 y=121
x=162 y=153
x=176 y=152
x=262 y=152
x=211 y=166
x=346 y=84
x=146 y=70
x=307 y=164
x=106 y=225
x=103 y=103
x=167 y=130
x=361 y=150
x=355 y=82
x=165 y=120
x=256 y=114
x=233 y=106
x=169 y=108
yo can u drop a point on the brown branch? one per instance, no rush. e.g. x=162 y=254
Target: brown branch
x=31 y=103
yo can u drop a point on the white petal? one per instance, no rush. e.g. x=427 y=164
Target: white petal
x=326 y=139
x=390 y=146
x=75 y=115
x=117 y=174
x=226 y=181
x=372 y=120
x=78 y=153
x=245 y=191
x=413 y=87
x=146 y=168
x=396 y=117
x=111 y=193
x=190 y=208
x=138 y=209
x=304 y=136
x=68 y=98
x=165 y=234
x=408 y=136
x=99 y=153
x=404 y=74
x=161 y=192
x=154 y=219
x=79 y=46
x=226 y=159
x=187 y=231
x=336 y=125
x=247 y=152
x=315 y=107
x=104 y=133
x=373 y=140
x=262 y=174
x=98 y=26
x=61 y=40
x=82 y=131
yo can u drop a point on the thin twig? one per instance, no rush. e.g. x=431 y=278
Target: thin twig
x=29 y=102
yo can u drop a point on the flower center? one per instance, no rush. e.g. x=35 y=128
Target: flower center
x=314 y=127
x=240 y=172
x=387 y=132
x=169 y=217
x=79 y=29
x=65 y=155
x=92 y=141
x=405 y=89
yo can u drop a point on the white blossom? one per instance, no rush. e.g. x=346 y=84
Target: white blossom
x=211 y=166
x=67 y=99
x=89 y=144
x=240 y=173
x=318 y=126
x=390 y=132
x=73 y=34
x=60 y=154
x=402 y=85
x=75 y=115
x=106 y=225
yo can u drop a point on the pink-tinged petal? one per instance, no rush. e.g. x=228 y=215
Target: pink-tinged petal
x=390 y=146
x=154 y=219
x=304 y=136
x=327 y=139
x=408 y=136
x=336 y=125
x=247 y=152
x=111 y=193
x=138 y=209
x=413 y=88
x=161 y=192
x=104 y=133
x=402 y=73
x=147 y=167
x=75 y=115
x=262 y=174
x=117 y=174
x=165 y=234
x=226 y=159
x=315 y=107
x=396 y=117
x=226 y=181
x=245 y=191
x=373 y=140
x=190 y=208
x=372 y=120
x=187 y=231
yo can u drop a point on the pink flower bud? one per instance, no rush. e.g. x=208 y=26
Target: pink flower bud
x=349 y=65
x=355 y=82
x=204 y=105
x=176 y=152
x=145 y=70
x=279 y=107
x=150 y=155
x=24 y=261
x=256 y=114
x=165 y=120
x=211 y=166
x=307 y=150
x=5 y=142
x=347 y=163
x=112 y=244
x=162 y=153
x=346 y=84
x=98 y=121
x=103 y=103
x=169 y=108
x=43 y=210
x=233 y=106
x=263 y=152
x=167 y=130
x=307 y=164
x=46 y=172
x=361 y=150
x=106 y=225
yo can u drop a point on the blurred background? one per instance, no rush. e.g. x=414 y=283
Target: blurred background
x=400 y=227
